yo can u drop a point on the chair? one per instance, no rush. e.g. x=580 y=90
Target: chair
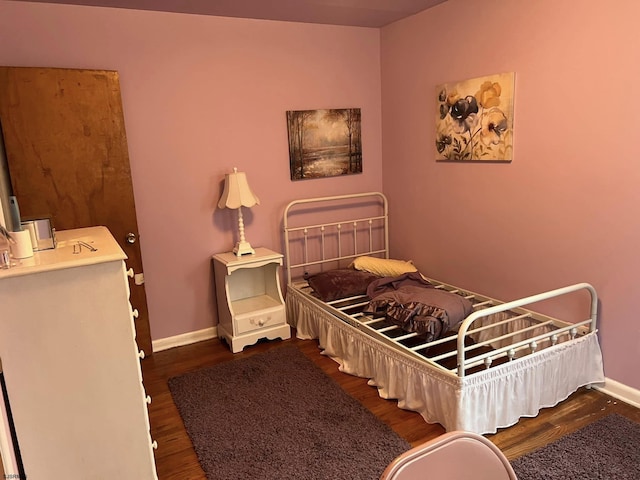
x=455 y=455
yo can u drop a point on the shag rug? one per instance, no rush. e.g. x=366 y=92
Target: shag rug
x=605 y=450
x=276 y=415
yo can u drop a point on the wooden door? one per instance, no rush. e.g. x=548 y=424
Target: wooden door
x=67 y=152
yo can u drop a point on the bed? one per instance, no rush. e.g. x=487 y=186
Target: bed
x=501 y=361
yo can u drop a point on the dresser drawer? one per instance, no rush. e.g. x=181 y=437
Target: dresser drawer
x=250 y=322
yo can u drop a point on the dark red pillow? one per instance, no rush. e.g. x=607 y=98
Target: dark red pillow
x=341 y=283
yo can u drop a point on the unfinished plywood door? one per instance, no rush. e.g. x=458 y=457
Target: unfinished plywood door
x=67 y=152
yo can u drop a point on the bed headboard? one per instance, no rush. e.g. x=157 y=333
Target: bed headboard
x=329 y=232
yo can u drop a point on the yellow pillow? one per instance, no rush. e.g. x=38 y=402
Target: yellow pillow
x=383 y=267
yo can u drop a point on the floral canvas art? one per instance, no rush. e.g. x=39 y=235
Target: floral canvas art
x=474 y=119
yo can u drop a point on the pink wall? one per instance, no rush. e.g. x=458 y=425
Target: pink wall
x=565 y=210
x=202 y=95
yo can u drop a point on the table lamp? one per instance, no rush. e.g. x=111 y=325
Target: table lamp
x=237 y=194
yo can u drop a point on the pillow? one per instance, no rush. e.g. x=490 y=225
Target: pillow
x=341 y=283
x=383 y=267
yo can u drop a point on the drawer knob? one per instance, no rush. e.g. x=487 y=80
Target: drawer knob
x=130 y=273
x=141 y=354
x=154 y=444
x=135 y=313
x=148 y=399
x=261 y=322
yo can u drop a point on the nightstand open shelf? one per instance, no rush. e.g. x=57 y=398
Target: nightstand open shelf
x=250 y=303
x=254 y=305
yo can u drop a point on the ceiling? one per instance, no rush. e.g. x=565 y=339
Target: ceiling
x=361 y=13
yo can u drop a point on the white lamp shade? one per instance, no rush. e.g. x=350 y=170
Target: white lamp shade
x=237 y=192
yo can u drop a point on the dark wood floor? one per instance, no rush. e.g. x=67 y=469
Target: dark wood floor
x=176 y=459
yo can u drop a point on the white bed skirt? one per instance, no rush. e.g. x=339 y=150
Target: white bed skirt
x=481 y=402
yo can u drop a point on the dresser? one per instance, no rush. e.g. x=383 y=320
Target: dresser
x=71 y=364
x=250 y=303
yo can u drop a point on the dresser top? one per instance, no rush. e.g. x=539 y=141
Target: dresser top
x=63 y=256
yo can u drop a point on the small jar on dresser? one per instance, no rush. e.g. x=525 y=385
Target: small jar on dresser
x=250 y=302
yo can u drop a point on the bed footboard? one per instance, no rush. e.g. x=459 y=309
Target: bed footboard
x=532 y=343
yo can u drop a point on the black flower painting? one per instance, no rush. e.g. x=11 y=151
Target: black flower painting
x=474 y=119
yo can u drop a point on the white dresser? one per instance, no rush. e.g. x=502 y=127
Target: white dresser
x=71 y=364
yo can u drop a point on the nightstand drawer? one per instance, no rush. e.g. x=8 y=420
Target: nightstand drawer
x=250 y=322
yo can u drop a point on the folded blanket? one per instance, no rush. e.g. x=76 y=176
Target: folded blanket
x=389 y=284
x=413 y=304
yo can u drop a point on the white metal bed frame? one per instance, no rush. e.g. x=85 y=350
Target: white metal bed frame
x=522 y=332
x=321 y=228
x=483 y=306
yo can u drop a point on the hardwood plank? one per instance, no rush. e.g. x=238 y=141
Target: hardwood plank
x=175 y=457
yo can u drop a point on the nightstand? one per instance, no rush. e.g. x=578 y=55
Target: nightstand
x=250 y=303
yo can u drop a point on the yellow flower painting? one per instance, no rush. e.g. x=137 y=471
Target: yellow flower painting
x=474 y=119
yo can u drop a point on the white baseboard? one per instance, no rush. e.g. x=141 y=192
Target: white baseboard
x=621 y=391
x=184 y=339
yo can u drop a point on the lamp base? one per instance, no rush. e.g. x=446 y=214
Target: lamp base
x=243 y=248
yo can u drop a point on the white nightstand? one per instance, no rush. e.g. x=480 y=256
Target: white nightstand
x=250 y=303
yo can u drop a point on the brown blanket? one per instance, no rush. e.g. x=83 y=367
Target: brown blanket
x=415 y=305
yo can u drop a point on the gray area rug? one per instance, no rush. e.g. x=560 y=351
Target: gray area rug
x=276 y=415
x=607 y=449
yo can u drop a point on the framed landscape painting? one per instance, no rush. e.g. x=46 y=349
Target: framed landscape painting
x=474 y=119
x=324 y=143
